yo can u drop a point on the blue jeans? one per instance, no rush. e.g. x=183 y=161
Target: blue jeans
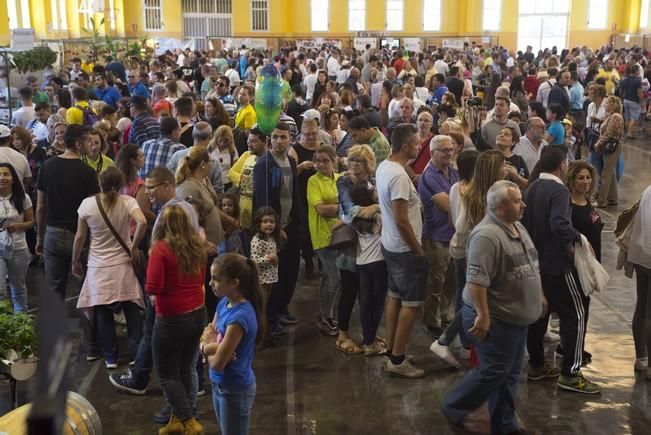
x=106 y=328
x=16 y=269
x=455 y=326
x=372 y=295
x=233 y=408
x=496 y=379
x=57 y=253
x=143 y=357
x=330 y=285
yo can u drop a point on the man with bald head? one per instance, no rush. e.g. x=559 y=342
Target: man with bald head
x=531 y=144
x=353 y=79
x=406 y=116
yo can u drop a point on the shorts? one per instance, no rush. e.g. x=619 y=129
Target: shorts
x=631 y=110
x=407 y=277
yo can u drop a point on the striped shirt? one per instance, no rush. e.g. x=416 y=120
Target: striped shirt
x=143 y=128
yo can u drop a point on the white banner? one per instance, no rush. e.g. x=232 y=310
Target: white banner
x=360 y=43
x=317 y=43
x=454 y=43
x=249 y=43
x=22 y=39
x=412 y=44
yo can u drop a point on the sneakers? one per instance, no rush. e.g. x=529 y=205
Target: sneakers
x=641 y=364
x=125 y=382
x=327 y=326
x=404 y=370
x=444 y=353
x=277 y=330
x=201 y=392
x=111 y=363
x=163 y=416
x=374 y=349
x=554 y=321
x=287 y=319
x=585 y=359
x=552 y=337
x=578 y=384
x=93 y=356
x=542 y=372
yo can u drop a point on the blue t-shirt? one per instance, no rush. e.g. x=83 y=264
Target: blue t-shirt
x=237 y=374
x=557 y=132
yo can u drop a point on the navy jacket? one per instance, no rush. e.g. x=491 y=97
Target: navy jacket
x=267 y=182
x=558 y=94
x=548 y=219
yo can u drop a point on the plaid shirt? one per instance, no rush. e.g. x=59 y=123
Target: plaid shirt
x=158 y=153
x=143 y=128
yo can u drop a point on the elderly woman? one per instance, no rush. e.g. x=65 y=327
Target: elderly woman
x=361 y=164
x=222 y=149
x=323 y=212
x=609 y=145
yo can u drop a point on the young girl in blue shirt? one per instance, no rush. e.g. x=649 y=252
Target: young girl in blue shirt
x=229 y=341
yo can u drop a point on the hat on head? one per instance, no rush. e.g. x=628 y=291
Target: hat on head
x=4 y=131
x=566 y=122
x=312 y=114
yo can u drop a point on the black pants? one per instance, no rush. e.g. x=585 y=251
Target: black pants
x=349 y=290
x=289 y=259
x=373 y=283
x=566 y=298
x=174 y=345
x=211 y=299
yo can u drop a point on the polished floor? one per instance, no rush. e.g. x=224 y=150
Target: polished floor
x=305 y=386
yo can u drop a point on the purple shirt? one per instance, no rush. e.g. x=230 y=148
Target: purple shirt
x=436 y=225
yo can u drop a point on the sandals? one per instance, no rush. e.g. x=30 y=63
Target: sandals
x=348 y=346
x=375 y=349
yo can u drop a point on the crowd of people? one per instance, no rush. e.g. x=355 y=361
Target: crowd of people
x=450 y=187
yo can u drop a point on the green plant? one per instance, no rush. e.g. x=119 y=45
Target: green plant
x=17 y=332
x=94 y=32
x=36 y=59
x=113 y=47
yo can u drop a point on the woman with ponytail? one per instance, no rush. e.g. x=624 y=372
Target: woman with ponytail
x=110 y=284
x=229 y=341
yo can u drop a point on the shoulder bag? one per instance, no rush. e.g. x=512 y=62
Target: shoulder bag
x=138 y=259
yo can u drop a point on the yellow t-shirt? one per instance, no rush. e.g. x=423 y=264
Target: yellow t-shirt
x=241 y=175
x=612 y=78
x=321 y=190
x=245 y=118
x=100 y=164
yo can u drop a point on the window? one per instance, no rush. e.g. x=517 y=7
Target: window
x=432 y=15
x=395 y=12
x=543 y=25
x=112 y=15
x=59 y=18
x=24 y=9
x=319 y=15
x=492 y=15
x=153 y=15
x=356 y=15
x=18 y=11
x=598 y=14
x=86 y=9
x=644 y=14
x=260 y=15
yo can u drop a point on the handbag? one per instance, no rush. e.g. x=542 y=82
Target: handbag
x=611 y=145
x=342 y=236
x=6 y=245
x=137 y=259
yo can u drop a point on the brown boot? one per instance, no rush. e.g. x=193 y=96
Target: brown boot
x=173 y=427
x=192 y=427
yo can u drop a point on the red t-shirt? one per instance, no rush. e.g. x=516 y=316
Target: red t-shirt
x=425 y=156
x=175 y=292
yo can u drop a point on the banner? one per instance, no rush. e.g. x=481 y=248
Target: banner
x=412 y=44
x=22 y=39
x=317 y=43
x=250 y=43
x=456 y=43
x=360 y=43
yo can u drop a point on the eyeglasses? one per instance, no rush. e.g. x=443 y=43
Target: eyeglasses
x=152 y=188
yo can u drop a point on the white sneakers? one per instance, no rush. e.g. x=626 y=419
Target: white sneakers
x=444 y=353
x=552 y=337
x=404 y=370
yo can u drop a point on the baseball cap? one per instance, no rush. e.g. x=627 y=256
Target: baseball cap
x=5 y=132
x=566 y=122
x=312 y=114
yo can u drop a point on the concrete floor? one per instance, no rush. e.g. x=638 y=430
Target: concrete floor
x=305 y=386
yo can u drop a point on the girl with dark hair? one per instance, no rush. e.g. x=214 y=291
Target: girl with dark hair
x=110 y=284
x=16 y=216
x=130 y=160
x=229 y=341
x=264 y=248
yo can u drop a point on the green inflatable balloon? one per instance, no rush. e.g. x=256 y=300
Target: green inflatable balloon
x=268 y=98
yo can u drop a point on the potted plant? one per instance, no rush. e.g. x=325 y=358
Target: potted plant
x=18 y=342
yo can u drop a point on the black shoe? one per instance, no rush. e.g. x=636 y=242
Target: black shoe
x=586 y=358
x=163 y=416
x=434 y=331
x=287 y=319
x=125 y=382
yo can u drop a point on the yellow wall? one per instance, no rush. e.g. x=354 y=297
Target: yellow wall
x=291 y=18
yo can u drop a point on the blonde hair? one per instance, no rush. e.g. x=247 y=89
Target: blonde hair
x=193 y=159
x=223 y=131
x=175 y=228
x=573 y=171
x=364 y=152
x=616 y=103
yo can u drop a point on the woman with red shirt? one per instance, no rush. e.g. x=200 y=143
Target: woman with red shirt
x=175 y=282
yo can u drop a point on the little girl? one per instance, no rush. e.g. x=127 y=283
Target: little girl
x=229 y=341
x=264 y=247
x=233 y=243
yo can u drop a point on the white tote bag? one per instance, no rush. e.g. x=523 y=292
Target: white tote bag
x=592 y=275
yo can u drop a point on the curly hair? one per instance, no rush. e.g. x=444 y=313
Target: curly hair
x=573 y=172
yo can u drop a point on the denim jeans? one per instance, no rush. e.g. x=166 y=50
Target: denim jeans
x=174 y=345
x=57 y=253
x=372 y=295
x=143 y=357
x=455 y=326
x=496 y=379
x=106 y=328
x=233 y=408
x=330 y=283
x=16 y=269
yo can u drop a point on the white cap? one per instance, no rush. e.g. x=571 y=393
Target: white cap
x=4 y=131
x=312 y=114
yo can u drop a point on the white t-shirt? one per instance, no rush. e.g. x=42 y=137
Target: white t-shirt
x=104 y=248
x=309 y=82
x=369 y=245
x=22 y=116
x=394 y=183
x=9 y=212
x=17 y=160
x=225 y=160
